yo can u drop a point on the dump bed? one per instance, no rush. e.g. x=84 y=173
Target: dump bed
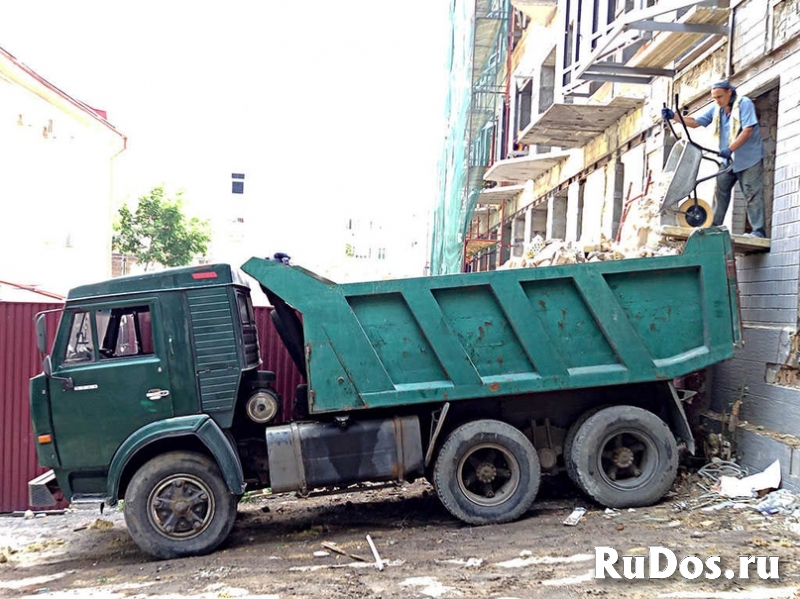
x=456 y=337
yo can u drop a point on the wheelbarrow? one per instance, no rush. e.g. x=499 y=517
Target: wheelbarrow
x=683 y=166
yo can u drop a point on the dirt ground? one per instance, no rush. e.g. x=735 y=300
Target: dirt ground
x=276 y=551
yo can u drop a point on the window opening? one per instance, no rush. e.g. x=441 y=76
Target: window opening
x=80 y=347
x=125 y=331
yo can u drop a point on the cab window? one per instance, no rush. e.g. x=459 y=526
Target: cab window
x=125 y=332
x=80 y=347
x=245 y=305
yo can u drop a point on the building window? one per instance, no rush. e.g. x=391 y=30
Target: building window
x=237 y=183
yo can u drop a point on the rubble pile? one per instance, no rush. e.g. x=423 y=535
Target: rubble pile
x=640 y=236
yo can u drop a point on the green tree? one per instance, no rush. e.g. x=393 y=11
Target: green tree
x=159 y=233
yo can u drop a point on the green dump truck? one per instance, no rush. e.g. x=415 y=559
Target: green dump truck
x=480 y=383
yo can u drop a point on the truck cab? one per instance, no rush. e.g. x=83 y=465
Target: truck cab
x=152 y=357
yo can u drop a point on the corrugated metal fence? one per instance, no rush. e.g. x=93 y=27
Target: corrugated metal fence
x=20 y=360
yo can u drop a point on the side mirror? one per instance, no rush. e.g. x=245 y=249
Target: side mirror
x=47 y=366
x=41 y=333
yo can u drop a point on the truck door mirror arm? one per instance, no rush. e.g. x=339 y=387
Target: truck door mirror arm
x=47 y=368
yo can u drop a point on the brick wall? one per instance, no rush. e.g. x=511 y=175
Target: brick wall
x=768 y=283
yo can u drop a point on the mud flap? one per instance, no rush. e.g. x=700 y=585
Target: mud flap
x=679 y=423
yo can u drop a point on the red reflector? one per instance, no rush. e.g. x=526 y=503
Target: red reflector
x=204 y=275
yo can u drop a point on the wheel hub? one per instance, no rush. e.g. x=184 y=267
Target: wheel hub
x=181 y=507
x=623 y=457
x=486 y=472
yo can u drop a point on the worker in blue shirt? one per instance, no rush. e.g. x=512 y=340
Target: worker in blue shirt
x=736 y=128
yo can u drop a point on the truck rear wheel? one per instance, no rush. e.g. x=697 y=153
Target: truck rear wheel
x=625 y=456
x=569 y=441
x=487 y=472
x=178 y=505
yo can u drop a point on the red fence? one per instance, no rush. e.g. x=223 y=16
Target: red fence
x=19 y=360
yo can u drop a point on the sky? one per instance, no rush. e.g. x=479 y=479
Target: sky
x=328 y=107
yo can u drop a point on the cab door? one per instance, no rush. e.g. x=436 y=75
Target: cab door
x=116 y=360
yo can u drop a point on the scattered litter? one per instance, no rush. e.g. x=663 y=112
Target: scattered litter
x=519 y=562
x=378 y=560
x=718 y=506
x=748 y=486
x=473 y=562
x=711 y=472
x=793 y=527
x=431 y=586
x=350 y=565
x=29 y=515
x=611 y=512
x=779 y=501
x=333 y=547
x=680 y=506
x=575 y=516
x=525 y=553
x=321 y=554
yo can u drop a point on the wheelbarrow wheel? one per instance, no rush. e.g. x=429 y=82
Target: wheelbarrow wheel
x=694 y=214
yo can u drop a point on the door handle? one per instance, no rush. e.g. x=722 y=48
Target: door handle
x=156 y=394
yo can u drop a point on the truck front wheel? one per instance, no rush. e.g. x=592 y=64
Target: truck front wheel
x=624 y=456
x=487 y=472
x=178 y=505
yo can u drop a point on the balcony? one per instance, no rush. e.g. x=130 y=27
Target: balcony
x=575 y=125
x=497 y=195
x=519 y=170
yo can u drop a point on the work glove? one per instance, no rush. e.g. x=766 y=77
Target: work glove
x=725 y=153
x=667 y=114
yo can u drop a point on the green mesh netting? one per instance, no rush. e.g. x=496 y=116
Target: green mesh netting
x=478 y=46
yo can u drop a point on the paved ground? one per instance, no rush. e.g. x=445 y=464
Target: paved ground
x=276 y=551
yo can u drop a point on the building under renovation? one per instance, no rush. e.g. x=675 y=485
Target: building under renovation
x=554 y=132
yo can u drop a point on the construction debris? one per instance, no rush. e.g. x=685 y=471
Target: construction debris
x=378 y=560
x=336 y=549
x=640 y=235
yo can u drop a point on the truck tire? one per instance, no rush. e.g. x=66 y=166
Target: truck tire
x=487 y=472
x=569 y=440
x=625 y=456
x=178 y=505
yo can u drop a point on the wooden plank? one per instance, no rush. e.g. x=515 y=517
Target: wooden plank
x=742 y=244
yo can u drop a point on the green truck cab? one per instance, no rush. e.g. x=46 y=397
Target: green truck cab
x=480 y=382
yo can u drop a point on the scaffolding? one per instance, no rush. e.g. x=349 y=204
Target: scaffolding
x=478 y=50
